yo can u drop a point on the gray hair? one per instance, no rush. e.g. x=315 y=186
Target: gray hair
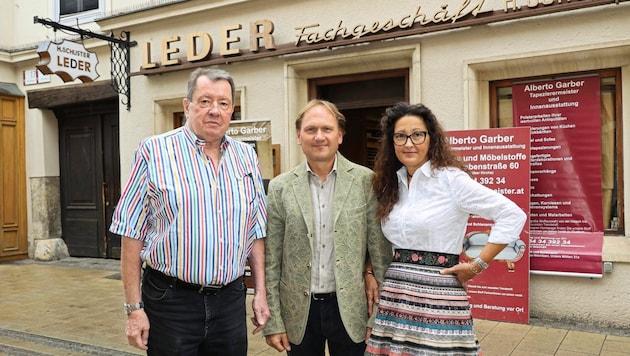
x=211 y=73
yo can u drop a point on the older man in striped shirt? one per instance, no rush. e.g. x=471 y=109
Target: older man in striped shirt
x=192 y=212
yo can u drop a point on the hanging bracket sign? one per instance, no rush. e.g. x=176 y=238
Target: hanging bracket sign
x=68 y=60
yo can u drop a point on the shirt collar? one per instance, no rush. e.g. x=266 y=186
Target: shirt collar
x=334 y=168
x=199 y=142
x=425 y=169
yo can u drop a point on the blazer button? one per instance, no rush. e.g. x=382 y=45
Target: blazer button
x=305 y=293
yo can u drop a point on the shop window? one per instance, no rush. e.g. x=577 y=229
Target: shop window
x=73 y=12
x=501 y=115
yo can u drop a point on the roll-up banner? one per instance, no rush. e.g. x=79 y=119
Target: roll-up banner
x=498 y=159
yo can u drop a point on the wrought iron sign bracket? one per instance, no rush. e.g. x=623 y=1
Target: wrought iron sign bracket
x=119 y=55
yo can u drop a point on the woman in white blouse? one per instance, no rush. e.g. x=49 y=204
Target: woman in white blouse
x=425 y=198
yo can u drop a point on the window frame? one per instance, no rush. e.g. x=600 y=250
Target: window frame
x=494 y=87
x=77 y=17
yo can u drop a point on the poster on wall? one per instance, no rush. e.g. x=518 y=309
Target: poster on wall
x=566 y=198
x=256 y=133
x=498 y=159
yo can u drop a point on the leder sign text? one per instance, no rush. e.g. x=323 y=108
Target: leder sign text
x=237 y=42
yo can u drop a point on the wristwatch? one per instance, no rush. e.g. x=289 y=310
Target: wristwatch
x=133 y=307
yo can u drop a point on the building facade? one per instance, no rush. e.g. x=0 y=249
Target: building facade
x=460 y=58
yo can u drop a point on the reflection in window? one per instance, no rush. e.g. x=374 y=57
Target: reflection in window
x=67 y=7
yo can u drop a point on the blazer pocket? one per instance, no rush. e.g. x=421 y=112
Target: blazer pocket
x=356 y=216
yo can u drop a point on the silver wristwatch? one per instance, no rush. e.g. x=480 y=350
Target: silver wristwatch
x=133 y=307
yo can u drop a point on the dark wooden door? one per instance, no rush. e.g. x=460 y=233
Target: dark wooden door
x=89 y=177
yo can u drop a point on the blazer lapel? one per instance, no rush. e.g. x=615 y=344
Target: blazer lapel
x=343 y=186
x=302 y=190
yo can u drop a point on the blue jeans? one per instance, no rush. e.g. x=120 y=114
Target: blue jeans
x=187 y=323
x=325 y=325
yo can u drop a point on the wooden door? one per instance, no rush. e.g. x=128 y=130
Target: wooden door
x=89 y=177
x=111 y=180
x=13 y=239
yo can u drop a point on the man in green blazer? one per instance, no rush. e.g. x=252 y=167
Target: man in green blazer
x=321 y=229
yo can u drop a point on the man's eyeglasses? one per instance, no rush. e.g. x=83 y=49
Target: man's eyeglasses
x=417 y=138
x=206 y=103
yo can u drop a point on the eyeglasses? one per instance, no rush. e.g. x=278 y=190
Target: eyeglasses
x=417 y=138
x=206 y=103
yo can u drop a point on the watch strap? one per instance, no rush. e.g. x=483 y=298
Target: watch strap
x=129 y=308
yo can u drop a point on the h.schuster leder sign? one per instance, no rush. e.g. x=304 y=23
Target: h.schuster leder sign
x=68 y=60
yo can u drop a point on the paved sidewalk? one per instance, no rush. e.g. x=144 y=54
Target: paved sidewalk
x=73 y=307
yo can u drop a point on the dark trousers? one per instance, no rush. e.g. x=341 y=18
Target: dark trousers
x=325 y=325
x=188 y=323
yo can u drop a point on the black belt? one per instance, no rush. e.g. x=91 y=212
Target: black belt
x=323 y=296
x=208 y=289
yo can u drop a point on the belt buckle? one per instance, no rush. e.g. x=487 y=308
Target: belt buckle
x=323 y=296
x=211 y=289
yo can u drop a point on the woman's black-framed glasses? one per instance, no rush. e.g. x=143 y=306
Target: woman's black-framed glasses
x=417 y=138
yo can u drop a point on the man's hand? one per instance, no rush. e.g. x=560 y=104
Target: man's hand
x=371 y=292
x=279 y=342
x=261 y=311
x=138 y=329
x=368 y=332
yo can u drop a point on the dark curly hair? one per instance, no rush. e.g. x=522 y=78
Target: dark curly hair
x=385 y=181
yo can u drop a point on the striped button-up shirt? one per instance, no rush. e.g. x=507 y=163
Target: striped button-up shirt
x=198 y=223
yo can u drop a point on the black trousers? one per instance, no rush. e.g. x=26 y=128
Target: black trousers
x=188 y=323
x=325 y=326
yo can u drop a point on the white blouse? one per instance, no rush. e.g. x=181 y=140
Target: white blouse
x=432 y=212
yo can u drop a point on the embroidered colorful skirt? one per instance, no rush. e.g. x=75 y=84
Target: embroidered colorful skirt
x=422 y=312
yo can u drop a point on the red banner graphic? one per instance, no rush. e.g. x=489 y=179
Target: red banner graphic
x=498 y=159
x=566 y=196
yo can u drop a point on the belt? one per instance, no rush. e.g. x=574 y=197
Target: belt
x=426 y=258
x=323 y=296
x=207 y=289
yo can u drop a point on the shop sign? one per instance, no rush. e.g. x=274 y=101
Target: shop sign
x=238 y=42
x=256 y=133
x=68 y=60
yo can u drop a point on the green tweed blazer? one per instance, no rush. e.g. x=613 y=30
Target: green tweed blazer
x=289 y=253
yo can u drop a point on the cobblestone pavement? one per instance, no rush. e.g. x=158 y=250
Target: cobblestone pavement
x=73 y=307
